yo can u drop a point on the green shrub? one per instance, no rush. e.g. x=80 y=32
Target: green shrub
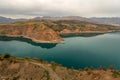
x=7 y=56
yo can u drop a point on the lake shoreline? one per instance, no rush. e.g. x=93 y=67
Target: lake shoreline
x=76 y=49
x=63 y=35
x=86 y=34
x=32 y=39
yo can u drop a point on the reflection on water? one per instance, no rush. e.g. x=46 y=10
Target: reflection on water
x=81 y=34
x=42 y=45
x=77 y=52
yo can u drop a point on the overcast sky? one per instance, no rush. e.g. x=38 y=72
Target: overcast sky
x=86 y=8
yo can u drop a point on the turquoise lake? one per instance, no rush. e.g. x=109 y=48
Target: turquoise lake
x=77 y=52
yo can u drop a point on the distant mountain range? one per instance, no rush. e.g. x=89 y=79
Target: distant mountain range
x=4 y=20
x=104 y=20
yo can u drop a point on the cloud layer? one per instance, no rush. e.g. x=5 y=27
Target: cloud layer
x=88 y=8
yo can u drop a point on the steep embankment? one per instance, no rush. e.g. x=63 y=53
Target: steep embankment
x=37 y=32
x=12 y=68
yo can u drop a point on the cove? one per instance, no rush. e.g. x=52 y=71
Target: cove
x=77 y=52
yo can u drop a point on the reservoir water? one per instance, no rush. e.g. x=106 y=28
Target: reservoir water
x=77 y=52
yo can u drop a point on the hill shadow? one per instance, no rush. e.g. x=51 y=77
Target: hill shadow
x=81 y=35
x=29 y=41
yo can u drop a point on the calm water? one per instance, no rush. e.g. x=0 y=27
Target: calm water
x=77 y=52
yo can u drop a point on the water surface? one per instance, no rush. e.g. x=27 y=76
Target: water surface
x=77 y=52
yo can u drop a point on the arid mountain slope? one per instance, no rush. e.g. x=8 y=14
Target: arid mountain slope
x=76 y=26
x=37 y=32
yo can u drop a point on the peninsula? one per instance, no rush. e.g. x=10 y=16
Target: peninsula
x=49 y=31
x=36 y=32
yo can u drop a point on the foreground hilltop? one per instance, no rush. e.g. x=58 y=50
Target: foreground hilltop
x=49 y=31
x=13 y=68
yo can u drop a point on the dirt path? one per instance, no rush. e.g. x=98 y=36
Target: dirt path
x=52 y=74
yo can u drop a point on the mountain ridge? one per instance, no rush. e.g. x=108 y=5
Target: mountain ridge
x=101 y=20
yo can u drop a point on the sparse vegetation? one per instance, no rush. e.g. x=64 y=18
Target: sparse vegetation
x=7 y=55
x=14 y=68
x=115 y=73
x=54 y=65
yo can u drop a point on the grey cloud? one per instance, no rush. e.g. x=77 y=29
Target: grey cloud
x=60 y=7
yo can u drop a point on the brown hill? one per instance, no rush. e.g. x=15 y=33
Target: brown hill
x=76 y=26
x=49 y=31
x=37 y=32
